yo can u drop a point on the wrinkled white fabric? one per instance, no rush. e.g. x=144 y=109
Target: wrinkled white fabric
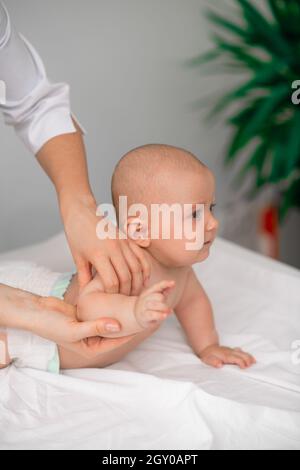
x=26 y=349
x=161 y=396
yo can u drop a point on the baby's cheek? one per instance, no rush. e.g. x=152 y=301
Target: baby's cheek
x=182 y=251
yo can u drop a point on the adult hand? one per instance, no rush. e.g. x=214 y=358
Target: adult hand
x=56 y=321
x=121 y=265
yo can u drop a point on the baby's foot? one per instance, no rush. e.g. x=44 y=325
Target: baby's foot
x=151 y=306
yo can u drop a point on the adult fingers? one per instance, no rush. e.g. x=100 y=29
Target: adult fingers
x=84 y=272
x=137 y=280
x=108 y=275
x=140 y=254
x=121 y=268
x=101 y=327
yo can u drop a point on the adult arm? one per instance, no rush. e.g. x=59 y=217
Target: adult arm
x=40 y=113
x=56 y=321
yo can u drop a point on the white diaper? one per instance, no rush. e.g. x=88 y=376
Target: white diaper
x=25 y=348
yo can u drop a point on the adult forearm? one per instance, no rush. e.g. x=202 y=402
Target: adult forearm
x=63 y=158
x=56 y=321
x=18 y=309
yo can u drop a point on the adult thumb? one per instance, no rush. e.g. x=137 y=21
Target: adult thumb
x=104 y=327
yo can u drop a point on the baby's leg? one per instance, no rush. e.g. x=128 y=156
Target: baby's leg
x=135 y=314
x=141 y=316
x=69 y=360
x=4 y=356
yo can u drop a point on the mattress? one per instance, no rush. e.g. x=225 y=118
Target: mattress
x=161 y=396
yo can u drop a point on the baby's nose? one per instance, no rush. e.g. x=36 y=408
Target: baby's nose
x=212 y=224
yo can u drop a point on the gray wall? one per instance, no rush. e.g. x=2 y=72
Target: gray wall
x=124 y=62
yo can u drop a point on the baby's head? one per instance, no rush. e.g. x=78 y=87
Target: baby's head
x=160 y=174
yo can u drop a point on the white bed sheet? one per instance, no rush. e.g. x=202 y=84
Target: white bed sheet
x=161 y=396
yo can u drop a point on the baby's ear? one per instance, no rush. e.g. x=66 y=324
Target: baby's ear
x=137 y=231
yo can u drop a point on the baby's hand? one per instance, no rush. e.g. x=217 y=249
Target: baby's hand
x=151 y=306
x=218 y=356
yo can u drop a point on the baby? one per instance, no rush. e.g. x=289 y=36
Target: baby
x=154 y=174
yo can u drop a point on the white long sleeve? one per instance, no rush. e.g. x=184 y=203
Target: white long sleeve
x=38 y=109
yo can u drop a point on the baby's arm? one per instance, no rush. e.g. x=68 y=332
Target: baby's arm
x=194 y=311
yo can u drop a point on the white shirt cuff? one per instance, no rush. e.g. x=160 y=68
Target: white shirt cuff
x=42 y=115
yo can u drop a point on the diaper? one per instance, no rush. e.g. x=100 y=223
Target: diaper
x=25 y=348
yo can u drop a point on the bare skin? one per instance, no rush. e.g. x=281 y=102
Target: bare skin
x=4 y=356
x=169 y=260
x=121 y=266
x=173 y=284
x=48 y=316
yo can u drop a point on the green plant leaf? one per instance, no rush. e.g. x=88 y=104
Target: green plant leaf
x=265 y=77
x=203 y=59
x=278 y=171
x=287 y=14
x=264 y=30
x=239 y=52
x=263 y=112
x=237 y=142
x=246 y=113
x=253 y=120
x=267 y=48
x=226 y=24
x=279 y=11
x=292 y=154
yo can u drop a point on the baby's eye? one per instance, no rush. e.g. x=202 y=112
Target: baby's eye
x=212 y=207
x=197 y=214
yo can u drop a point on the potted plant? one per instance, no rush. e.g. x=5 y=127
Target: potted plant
x=264 y=43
